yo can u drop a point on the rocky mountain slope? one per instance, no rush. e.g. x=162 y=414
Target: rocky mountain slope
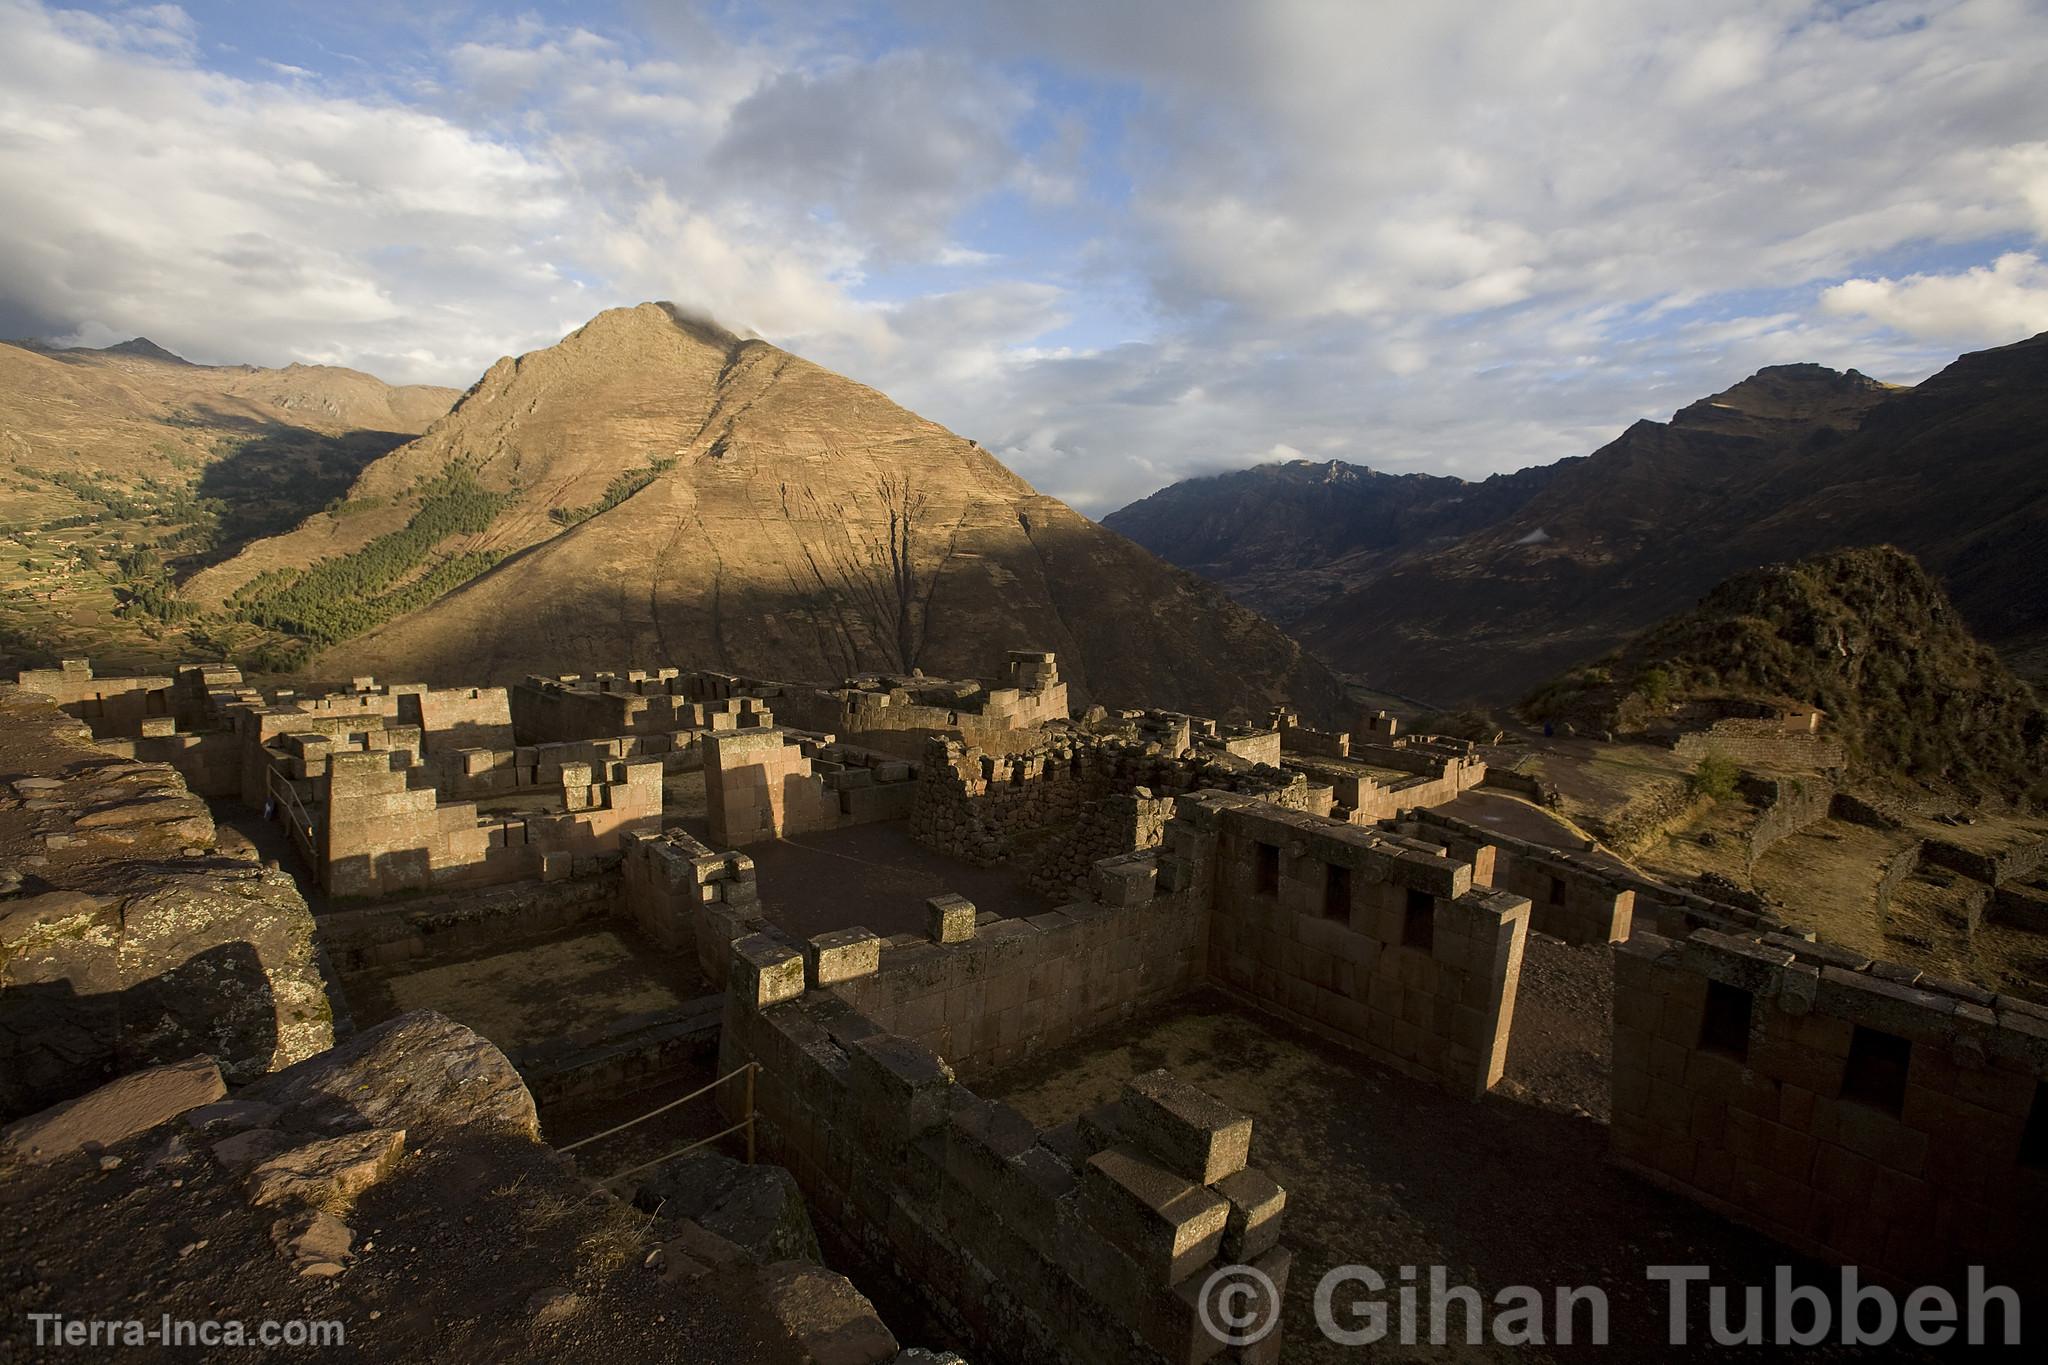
x=1794 y=461
x=654 y=489
x=1285 y=537
x=120 y=466
x=1865 y=634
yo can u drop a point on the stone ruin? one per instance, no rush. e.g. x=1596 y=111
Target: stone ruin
x=1851 y=1109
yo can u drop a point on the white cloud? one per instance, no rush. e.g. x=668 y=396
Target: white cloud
x=2008 y=299
x=1461 y=237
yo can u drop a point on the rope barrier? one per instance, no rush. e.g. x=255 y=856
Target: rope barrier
x=746 y=1070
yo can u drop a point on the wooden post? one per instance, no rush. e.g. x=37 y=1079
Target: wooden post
x=749 y=1111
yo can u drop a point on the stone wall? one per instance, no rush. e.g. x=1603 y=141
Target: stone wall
x=483 y=773
x=571 y=708
x=1765 y=744
x=382 y=936
x=1013 y=988
x=686 y=897
x=1109 y=827
x=1897 y=869
x=1440 y=772
x=768 y=784
x=1571 y=897
x=2012 y=864
x=1855 y=1110
x=110 y=707
x=1082 y=1243
x=381 y=826
x=1296 y=738
x=983 y=808
x=1528 y=786
x=1786 y=805
x=1379 y=942
x=2020 y=907
x=210 y=761
x=459 y=717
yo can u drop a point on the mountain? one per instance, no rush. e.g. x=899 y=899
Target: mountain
x=1794 y=461
x=654 y=489
x=120 y=466
x=1285 y=537
x=1868 y=636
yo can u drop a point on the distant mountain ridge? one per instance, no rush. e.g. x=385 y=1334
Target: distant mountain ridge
x=1793 y=461
x=1285 y=537
x=125 y=465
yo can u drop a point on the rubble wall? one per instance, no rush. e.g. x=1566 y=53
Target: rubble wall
x=1763 y=744
x=1787 y=806
x=983 y=807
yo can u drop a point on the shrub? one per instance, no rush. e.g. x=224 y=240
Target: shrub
x=1715 y=777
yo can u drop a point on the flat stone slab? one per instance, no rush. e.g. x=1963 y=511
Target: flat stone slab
x=120 y=1109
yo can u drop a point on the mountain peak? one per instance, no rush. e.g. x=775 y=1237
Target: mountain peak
x=1778 y=394
x=142 y=348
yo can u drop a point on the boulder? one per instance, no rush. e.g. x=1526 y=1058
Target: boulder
x=118 y=1110
x=421 y=1072
x=327 y=1173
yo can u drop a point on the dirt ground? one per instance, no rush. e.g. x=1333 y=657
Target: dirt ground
x=1387 y=1172
x=565 y=985
x=1828 y=873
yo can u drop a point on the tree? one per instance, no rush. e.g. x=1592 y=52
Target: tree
x=894 y=593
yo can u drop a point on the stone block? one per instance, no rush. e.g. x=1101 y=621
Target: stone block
x=1252 y=1226
x=950 y=918
x=902 y=1087
x=1168 y=1225
x=765 y=971
x=842 y=955
x=1184 y=1129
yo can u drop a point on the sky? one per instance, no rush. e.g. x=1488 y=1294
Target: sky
x=1117 y=243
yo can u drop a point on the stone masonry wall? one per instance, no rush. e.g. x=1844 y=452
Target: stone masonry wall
x=568 y=709
x=1994 y=869
x=1378 y=942
x=382 y=827
x=1788 y=805
x=1115 y=825
x=1013 y=988
x=1855 y=1110
x=482 y=773
x=690 y=898
x=768 y=784
x=1082 y=1243
x=1765 y=744
x=1571 y=898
